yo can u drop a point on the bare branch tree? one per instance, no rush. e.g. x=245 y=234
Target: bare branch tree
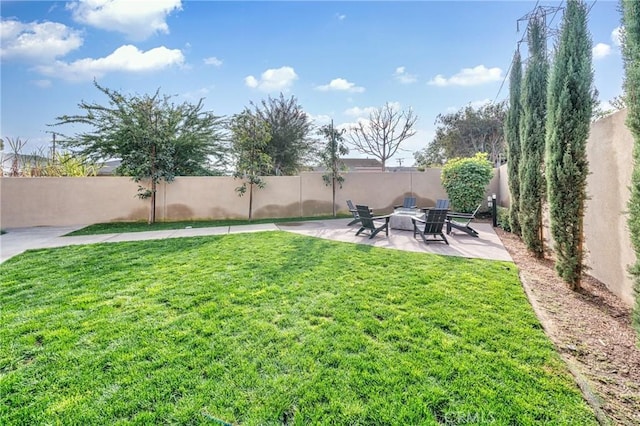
x=382 y=134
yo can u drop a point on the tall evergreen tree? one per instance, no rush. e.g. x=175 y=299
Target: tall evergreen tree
x=532 y=134
x=512 y=136
x=631 y=55
x=569 y=106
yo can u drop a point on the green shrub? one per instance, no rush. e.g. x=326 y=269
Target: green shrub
x=466 y=180
x=504 y=221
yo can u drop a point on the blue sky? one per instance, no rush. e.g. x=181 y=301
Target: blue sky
x=339 y=59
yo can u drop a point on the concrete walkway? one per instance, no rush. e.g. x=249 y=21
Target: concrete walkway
x=487 y=246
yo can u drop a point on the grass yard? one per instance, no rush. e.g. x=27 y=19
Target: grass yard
x=119 y=227
x=272 y=328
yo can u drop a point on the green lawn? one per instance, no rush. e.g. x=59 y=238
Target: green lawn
x=119 y=227
x=272 y=328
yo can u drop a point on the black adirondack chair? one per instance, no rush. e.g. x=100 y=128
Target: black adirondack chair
x=354 y=212
x=408 y=203
x=368 y=222
x=461 y=221
x=431 y=226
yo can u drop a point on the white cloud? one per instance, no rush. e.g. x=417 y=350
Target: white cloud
x=125 y=59
x=341 y=16
x=601 y=50
x=350 y=125
x=403 y=76
x=320 y=119
x=359 y=112
x=469 y=77
x=213 y=61
x=616 y=36
x=137 y=19
x=340 y=84
x=41 y=41
x=367 y=111
x=198 y=93
x=479 y=103
x=273 y=80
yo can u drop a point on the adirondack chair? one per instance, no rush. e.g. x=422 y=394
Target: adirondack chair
x=431 y=226
x=440 y=204
x=408 y=203
x=354 y=212
x=461 y=221
x=368 y=222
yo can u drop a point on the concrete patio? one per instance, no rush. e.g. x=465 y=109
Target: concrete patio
x=487 y=246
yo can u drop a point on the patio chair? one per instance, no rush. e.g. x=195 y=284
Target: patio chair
x=354 y=212
x=440 y=204
x=408 y=203
x=461 y=221
x=431 y=226
x=368 y=223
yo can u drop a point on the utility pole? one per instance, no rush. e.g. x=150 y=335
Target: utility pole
x=540 y=13
x=53 y=149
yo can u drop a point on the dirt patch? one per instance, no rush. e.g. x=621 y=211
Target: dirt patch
x=591 y=328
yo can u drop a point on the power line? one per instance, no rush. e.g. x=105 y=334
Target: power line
x=503 y=80
x=538 y=12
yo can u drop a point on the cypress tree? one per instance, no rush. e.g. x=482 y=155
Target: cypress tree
x=569 y=108
x=532 y=139
x=631 y=55
x=512 y=135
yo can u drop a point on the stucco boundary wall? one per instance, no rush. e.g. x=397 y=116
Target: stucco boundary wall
x=607 y=241
x=28 y=202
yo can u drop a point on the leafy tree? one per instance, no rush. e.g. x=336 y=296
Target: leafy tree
x=466 y=180
x=532 y=139
x=512 y=135
x=70 y=164
x=616 y=104
x=289 y=126
x=569 y=107
x=381 y=135
x=429 y=156
x=631 y=55
x=154 y=138
x=333 y=150
x=466 y=132
x=249 y=137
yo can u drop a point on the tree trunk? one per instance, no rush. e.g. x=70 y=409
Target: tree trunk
x=152 y=207
x=333 y=188
x=250 y=201
x=577 y=284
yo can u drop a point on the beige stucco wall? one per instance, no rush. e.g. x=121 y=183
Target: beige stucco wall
x=607 y=242
x=68 y=201
x=76 y=201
